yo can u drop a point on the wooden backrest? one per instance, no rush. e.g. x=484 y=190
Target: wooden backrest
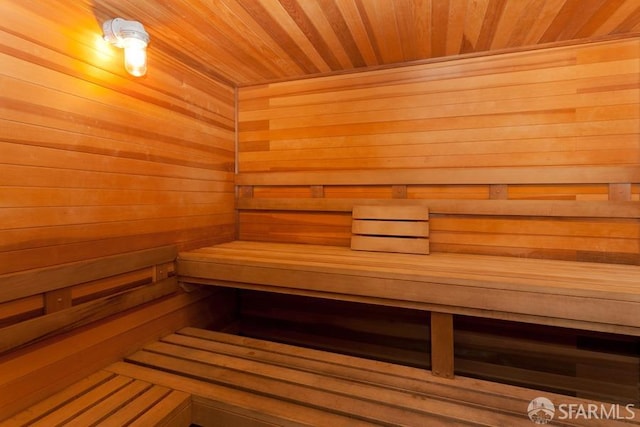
x=402 y=229
x=40 y=303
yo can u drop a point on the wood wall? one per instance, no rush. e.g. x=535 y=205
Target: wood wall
x=528 y=154
x=96 y=168
x=94 y=162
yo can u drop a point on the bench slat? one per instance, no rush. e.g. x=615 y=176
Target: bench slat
x=356 y=369
x=111 y=400
x=224 y=371
x=345 y=396
x=259 y=378
x=210 y=399
x=173 y=410
x=133 y=410
x=105 y=407
x=69 y=411
x=391 y=228
x=388 y=212
x=390 y=244
x=59 y=399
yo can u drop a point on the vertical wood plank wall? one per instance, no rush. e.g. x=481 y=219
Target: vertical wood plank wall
x=94 y=162
x=574 y=106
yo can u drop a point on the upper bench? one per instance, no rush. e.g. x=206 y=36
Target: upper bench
x=589 y=296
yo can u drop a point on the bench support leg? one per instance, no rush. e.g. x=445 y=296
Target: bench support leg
x=442 y=344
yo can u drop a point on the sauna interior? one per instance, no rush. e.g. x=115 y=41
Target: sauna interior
x=180 y=248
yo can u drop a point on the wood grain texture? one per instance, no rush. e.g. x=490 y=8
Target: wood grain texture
x=272 y=383
x=442 y=351
x=250 y=42
x=552 y=135
x=390 y=228
x=96 y=162
x=110 y=400
x=570 y=294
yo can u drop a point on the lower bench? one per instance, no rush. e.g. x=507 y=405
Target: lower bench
x=108 y=399
x=239 y=381
x=216 y=379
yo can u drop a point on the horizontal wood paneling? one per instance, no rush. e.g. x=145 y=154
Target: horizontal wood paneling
x=95 y=162
x=545 y=145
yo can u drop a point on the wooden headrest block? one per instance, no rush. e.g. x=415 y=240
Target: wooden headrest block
x=403 y=229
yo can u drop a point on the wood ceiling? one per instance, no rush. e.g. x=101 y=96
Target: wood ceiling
x=247 y=42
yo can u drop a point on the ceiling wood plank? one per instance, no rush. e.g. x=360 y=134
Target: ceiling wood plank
x=253 y=42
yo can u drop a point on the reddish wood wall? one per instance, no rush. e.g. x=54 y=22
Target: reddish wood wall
x=94 y=162
x=528 y=154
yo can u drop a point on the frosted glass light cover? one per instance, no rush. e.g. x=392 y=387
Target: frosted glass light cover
x=131 y=36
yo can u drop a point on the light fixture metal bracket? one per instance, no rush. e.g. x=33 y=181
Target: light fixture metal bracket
x=117 y=30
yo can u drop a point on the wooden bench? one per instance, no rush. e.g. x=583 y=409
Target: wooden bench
x=580 y=295
x=211 y=378
x=108 y=399
x=239 y=381
x=59 y=324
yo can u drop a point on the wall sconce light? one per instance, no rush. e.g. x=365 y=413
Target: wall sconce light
x=131 y=36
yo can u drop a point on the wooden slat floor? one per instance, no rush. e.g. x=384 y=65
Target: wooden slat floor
x=248 y=382
x=592 y=296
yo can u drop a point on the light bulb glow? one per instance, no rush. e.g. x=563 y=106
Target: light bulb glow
x=135 y=57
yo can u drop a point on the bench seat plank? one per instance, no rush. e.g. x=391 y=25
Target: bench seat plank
x=601 y=297
x=213 y=401
x=234 y=373
x=108 y=399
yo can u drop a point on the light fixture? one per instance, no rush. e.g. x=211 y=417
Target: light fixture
x=131 y=36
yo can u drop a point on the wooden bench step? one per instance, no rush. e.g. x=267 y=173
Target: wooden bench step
x=578 y=295
x=108 y=399
x=287 y=385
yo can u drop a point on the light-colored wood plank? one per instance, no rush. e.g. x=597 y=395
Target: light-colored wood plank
x=173 y=410
x=68 y=412
x=391 y=228
x=109 y=403
x=136 y=407
x=390 y=244
x=322 y=390
x=533 y=121
x=620 y=192
x=391 y=212
x=451 y=176
x=542 y=208
x=213 y=397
